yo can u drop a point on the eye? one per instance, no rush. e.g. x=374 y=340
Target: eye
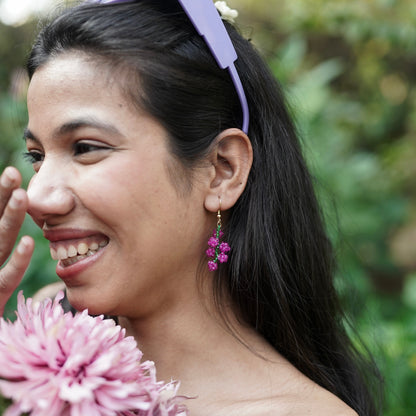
x=89 y=151
x=81 y=148
x=33 y=157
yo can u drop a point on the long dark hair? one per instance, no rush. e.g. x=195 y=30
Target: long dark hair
x=280 y=272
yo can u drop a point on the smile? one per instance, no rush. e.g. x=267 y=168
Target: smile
x=70 y=252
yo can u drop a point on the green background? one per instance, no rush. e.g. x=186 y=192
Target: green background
x=349 y=70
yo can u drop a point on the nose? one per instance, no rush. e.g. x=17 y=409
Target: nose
x=50 y=197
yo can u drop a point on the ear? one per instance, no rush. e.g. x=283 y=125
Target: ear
x=231 y=158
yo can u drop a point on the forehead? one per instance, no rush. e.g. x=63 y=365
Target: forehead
x=75 y=87
x=72 y=73
x=76 y=83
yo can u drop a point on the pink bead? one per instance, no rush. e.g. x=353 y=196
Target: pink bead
x=212 y=266
x=216 y=250
x=224 y=247
x=210 y=252
x=222 y=258
x=213 y=242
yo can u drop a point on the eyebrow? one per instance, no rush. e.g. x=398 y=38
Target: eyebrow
x=27 y=134
x=76 y=124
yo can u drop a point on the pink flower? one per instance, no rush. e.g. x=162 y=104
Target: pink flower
x=213 y=242
x=52 y=363
x=212 y=266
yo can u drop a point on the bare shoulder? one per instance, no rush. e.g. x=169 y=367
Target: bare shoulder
x=287 y=407
x=298 y=397
x=314 y=401
x=309 y=400
x=322 y=404
x=265 y=385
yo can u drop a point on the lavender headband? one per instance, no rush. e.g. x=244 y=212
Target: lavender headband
x=208 y=23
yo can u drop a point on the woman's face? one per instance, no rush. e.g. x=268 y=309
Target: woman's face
x=104 y=195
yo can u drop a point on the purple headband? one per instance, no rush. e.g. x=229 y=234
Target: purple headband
x=206 y=20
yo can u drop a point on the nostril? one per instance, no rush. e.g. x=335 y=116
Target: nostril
x=39 y=222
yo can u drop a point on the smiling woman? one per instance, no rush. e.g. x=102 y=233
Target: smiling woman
x=110 y=224
x=141 y=147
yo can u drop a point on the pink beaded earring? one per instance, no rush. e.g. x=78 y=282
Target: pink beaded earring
x=216 y=249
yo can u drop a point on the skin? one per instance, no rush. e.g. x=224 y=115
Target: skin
x=13 y=206
x=142 y=215
x=116 y=182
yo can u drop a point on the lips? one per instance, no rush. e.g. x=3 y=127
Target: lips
x=76 y=251
x=72 y=246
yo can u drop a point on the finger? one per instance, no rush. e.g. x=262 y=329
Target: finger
x=9 y=180
x=11 y=221
x=12 y=274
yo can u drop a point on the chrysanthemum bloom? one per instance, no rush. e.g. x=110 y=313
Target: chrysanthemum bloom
x=54 y=363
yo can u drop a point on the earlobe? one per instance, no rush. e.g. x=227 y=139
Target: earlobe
x=232 y=157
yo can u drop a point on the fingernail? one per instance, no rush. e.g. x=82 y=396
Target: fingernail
x=5 y=180
x=22 y=246
x=15 y=201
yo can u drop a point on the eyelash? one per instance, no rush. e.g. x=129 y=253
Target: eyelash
x=33 y=157
x=79 y=148
x=82 y=147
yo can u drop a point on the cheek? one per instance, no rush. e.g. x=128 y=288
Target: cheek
x=105 y=191
x=127 y=191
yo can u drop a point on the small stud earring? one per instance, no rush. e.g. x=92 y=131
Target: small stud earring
x=217 y=250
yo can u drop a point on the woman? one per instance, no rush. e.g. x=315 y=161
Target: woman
x=134 y=135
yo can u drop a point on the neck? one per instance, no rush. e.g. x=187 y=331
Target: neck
x=191 y=343
x=176 y=337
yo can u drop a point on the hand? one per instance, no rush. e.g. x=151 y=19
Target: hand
x=13 y=206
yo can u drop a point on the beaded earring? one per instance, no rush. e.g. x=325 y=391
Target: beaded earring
x=216 y=249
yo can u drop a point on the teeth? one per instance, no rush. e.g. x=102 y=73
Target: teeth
x=72 y=260
x=82 y=248
x=75 y=253
x=72 y=251
x=67 y=262
x=61 y=253
x=54 y=254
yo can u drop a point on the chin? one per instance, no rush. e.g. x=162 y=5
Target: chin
x=78 y=298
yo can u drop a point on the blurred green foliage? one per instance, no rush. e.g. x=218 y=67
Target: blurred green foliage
x=14 y=45
x=348 y=68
